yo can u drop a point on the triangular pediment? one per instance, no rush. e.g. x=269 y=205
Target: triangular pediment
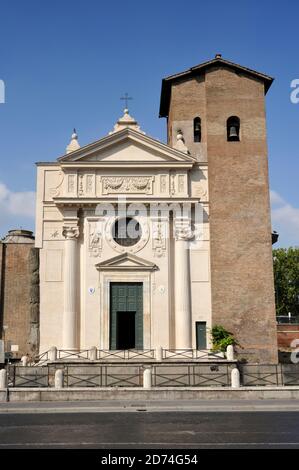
x=126 y=262
x=126 y=145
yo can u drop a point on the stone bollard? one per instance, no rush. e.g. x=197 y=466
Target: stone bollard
x=53 y=354
x=159 y=354
x=59 y=378
x=147 y=378
x=3 y=378
x=230 y=353
x=92 y=353
x=235 y=378
x=24 y=360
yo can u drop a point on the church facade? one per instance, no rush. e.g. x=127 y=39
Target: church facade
x=145 y=244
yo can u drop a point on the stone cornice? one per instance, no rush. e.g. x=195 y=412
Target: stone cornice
x=117 y=263
x=61 y=201
x=124 y=164
x=127 y=164
x=133 y=136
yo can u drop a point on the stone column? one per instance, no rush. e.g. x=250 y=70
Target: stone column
x=183 y=318
x=69 y=328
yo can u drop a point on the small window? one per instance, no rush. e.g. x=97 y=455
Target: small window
x=201 y=335
x=197 y=129
x=233 y=129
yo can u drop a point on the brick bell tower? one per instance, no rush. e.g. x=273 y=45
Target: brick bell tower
x=220 y=108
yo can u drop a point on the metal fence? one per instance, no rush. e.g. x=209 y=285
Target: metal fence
x=191 y=375
x=259 y=375
x=202 y=354
x=163 y=375
x=125 y=354
x=18 y=376
x=172 y=375
x=95 y=354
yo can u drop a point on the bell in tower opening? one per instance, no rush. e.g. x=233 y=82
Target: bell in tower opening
x=233 y=129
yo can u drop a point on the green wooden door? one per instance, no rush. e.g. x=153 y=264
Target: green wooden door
x=126 y=298
x=201 y=335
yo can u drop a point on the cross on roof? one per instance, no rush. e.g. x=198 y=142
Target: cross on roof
x=126 y=98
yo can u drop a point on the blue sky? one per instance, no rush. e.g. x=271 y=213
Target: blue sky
x=66 y=63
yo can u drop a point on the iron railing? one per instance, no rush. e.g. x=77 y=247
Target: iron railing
x=70 y=354
x=103 y=376
x=252 y=375
x=203 y=354
x=181 y=374
x=185 y=375
x=125 y=355
x=26 y=377
x=40 y=360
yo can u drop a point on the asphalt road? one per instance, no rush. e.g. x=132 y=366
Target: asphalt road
x=148 y=429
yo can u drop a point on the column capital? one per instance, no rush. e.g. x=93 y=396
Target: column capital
x=182 y=229
x=70 y=232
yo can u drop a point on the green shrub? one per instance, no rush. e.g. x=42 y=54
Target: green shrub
x=221 y=338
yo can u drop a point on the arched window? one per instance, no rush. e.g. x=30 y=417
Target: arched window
x=233 y=129
x=197 y=129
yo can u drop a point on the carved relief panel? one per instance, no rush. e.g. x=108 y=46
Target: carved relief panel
x=127 y=184
x=199 y=183
x=164 y=184
x=86 y=184
x=53 y=184
x=71 y=184
x=95 y=236
x=178 y=183
x=160 y=235
x=80 y=184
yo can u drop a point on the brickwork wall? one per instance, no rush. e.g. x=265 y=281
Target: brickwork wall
x=20 y=295
x=241 y=246
x=285 y=335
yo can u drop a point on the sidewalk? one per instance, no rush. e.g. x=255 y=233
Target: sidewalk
x=109 y=406
x=154 y=394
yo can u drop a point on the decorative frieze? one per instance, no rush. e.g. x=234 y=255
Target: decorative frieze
x=181 y=183
x=200 y=191
x=172 y=183
x=89 y=184
x=55 y=192
x=127 y=184
x=86 y=185
x=71 y=184
x=163 y=184
x=81 y=185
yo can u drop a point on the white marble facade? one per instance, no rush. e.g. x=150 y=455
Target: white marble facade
x=80 y=258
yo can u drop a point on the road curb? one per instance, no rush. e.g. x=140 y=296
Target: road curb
x=159 y=393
